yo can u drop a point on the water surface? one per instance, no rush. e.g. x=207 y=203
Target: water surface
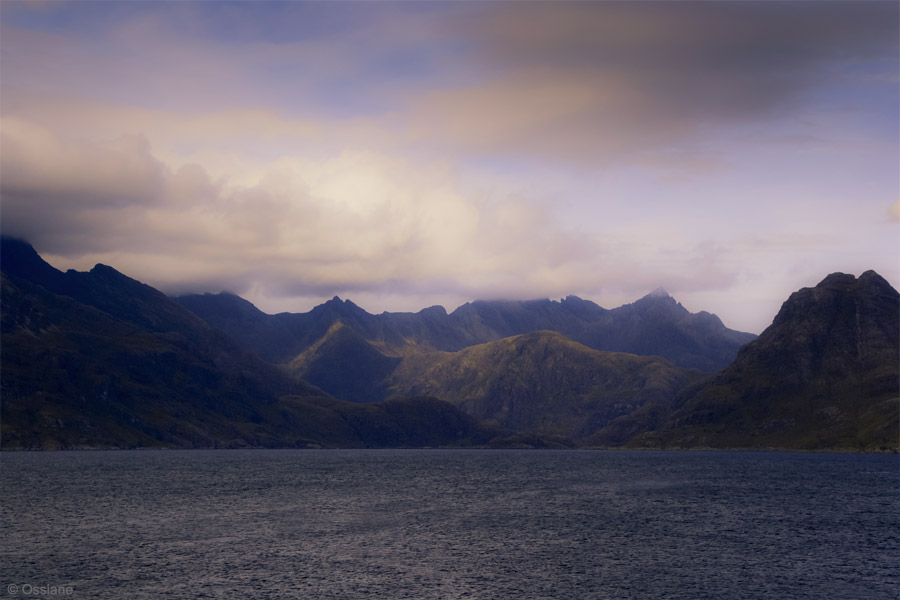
x=451 y=524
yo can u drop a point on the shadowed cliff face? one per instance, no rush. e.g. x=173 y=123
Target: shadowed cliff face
x=346 y=365
x=100 y=360
x=843 y=331
x=825 y=374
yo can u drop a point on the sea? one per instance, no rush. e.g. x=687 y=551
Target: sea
x=423 y=524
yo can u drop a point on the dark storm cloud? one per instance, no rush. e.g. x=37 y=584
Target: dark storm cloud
x=609 y=78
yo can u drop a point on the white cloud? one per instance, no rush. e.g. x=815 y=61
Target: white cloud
x=121 y=171
x=353 y=223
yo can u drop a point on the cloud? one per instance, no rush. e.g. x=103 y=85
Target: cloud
x=612 y=82
x=352 y=223
x=450 y=150
x=49 y=185
x=595 y=84
x=121 y=171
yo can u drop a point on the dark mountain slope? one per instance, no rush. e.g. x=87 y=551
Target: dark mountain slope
x=99 y=360
x=258 y=332
x=346 y=365
x=144 y=371
x=542 y=382
x=824 y=375
x=102 y=288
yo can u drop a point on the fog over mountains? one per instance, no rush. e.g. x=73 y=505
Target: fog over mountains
x=97 y=359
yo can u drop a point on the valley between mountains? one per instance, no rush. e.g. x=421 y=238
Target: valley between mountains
x=99 y=360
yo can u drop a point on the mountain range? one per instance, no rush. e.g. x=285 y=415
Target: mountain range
x=98 y=359
x=654 y=325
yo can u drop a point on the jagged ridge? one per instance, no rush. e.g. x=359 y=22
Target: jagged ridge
x=656 y=325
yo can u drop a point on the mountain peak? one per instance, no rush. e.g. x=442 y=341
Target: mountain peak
x=19 y=258
x=657 y=298
x=433 y=311
x=837 y=280
x=871 y=279
x=101 y=269
x=837 y=292
x=868 y=282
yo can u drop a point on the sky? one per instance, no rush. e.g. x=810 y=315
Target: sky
x=403 y=155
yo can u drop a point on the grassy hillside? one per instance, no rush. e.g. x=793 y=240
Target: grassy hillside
x=542 y=382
